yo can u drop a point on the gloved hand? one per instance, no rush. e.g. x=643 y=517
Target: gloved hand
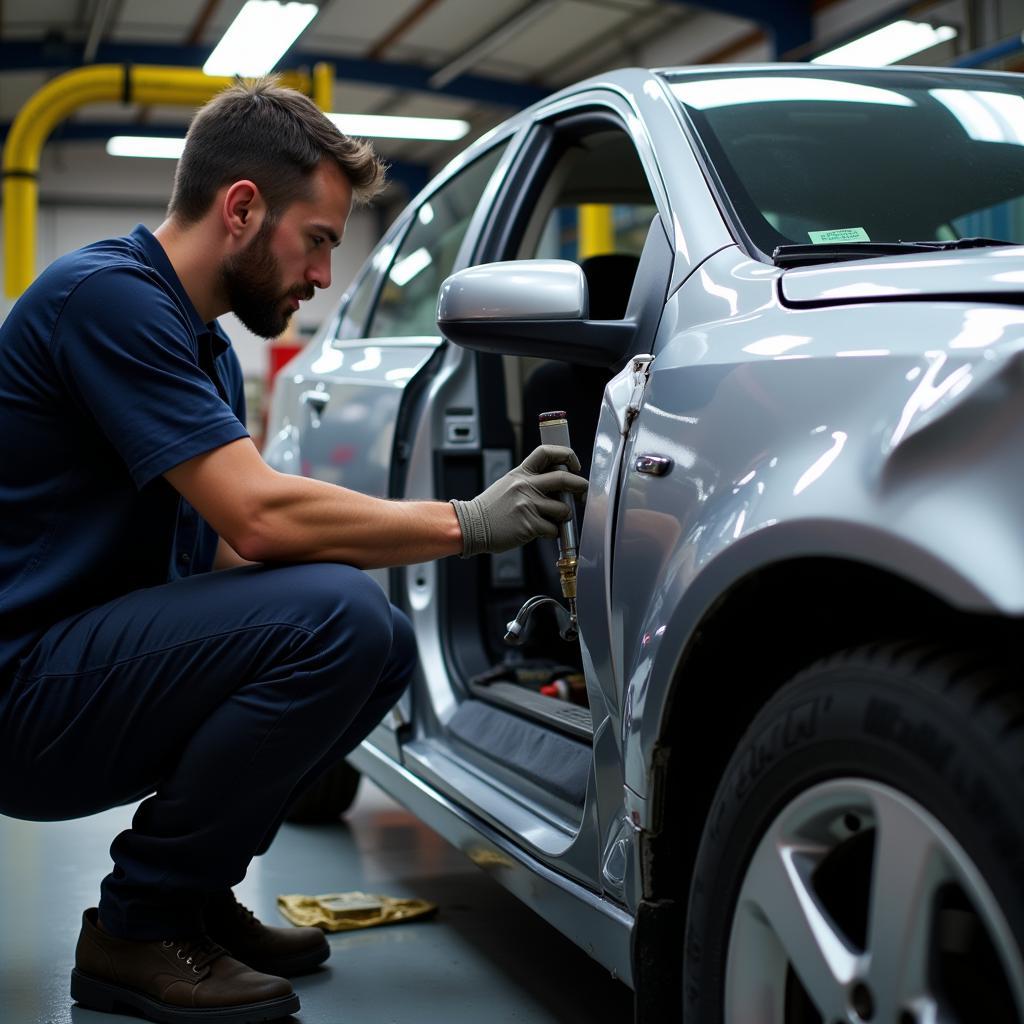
x=519 y=507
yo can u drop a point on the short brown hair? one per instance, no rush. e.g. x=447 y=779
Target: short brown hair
x=273 y=136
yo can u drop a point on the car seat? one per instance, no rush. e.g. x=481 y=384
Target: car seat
x=578 y=390
x=570 y=386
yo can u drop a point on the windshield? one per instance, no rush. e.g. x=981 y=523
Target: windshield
x=820 y=157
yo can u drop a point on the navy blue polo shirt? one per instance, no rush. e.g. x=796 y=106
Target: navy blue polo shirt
x=108 y=378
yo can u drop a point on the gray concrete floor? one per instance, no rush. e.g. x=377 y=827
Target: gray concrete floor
x=484 y=958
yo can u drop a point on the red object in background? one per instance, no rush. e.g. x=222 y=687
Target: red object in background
x=279 y=352
x=556 y=688
x=342 y=454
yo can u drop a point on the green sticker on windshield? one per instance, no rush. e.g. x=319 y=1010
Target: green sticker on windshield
x=839 y=235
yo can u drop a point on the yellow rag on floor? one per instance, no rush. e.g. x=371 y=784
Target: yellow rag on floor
x=345 y=911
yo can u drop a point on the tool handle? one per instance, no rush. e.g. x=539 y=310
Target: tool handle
x=554 y=428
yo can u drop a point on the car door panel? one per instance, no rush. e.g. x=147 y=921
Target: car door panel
x=349 y=415
x=586 y=842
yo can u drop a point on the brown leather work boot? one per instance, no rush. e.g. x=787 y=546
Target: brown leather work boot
x=174 y=981
x=282 y=951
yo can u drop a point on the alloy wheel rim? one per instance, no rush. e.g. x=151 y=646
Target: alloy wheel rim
x=808 y=944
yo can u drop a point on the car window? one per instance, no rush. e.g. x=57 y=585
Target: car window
x=594 y=207
x=408 y=300
x=576 y=231
x=844 y=154
x=1001 y=220
x=358 y=306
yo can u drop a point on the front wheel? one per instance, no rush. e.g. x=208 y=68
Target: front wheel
x=863 y=860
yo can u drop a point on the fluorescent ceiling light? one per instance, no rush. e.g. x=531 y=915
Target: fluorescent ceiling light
x=408 y=267
x=257 y=39
x=726 y=92
x=382 y=126
x=433 y=128
x=145 y=145
x=986 y=116
x=889 y=44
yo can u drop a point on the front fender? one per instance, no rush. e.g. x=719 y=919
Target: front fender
x=666 y=641
x=901 y=460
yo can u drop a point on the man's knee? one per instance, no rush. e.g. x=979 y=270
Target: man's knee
x=357 y=637
x=403 y=639
x=341 y=604
x=403 y=656
x=358 y=628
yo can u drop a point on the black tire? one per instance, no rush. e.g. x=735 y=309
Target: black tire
x=328 y=797
x=934 y=736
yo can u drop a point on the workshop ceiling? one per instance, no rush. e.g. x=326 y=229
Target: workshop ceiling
x=491 y=58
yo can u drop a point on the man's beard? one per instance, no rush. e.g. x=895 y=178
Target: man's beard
x=253 y=285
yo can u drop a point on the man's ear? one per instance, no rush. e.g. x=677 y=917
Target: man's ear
x=243 y=210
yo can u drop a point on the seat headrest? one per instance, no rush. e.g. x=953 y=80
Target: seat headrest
x=609 y=281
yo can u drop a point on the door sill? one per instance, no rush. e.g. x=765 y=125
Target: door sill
x=571 y=719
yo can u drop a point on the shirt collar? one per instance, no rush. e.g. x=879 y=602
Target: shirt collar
x=162 y=265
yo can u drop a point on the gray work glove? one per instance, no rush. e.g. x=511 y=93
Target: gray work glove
x=520 y=506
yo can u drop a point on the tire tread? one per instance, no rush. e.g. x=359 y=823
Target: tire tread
x=975 y=693
x=977 y=683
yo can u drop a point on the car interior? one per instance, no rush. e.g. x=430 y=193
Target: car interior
x=526 y=711
x=794 y=168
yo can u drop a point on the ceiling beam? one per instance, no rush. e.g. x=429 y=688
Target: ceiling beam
x=787 y=23
x=59 y=54
x=618 y=47
x=412 y=176
x=98 y=28
x=493 y=38
x=400 y=28
x=725 y=53
x=195 y=33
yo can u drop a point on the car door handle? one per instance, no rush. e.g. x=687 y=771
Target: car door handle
x=317 y=399
x=655 y=465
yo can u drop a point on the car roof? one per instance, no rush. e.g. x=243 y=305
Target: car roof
x=629 y=81
x=626 y=80
x=781 y=68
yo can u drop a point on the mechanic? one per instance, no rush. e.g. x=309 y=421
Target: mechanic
x=128 y=667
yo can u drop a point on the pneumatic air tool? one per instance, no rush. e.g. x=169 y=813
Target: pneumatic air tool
x=554 y=429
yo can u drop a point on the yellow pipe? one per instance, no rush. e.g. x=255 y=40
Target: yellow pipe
x=61 y=97
x=323 y=86
x=596 y=230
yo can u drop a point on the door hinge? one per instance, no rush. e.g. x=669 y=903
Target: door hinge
x=641 y=371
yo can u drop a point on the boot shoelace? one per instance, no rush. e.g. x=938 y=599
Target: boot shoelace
x=195 y=953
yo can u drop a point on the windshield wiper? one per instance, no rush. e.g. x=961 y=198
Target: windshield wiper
x=807 y=255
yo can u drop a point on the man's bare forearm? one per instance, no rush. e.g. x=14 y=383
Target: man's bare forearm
x=312 y=521
x=227 y=557
x=267 y=516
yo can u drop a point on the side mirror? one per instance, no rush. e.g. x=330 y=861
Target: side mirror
x=518 y=290
x=529 y=308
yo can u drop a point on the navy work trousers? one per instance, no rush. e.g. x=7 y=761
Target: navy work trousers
x=222 y=695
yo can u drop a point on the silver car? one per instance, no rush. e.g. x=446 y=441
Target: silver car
x=778 y=776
